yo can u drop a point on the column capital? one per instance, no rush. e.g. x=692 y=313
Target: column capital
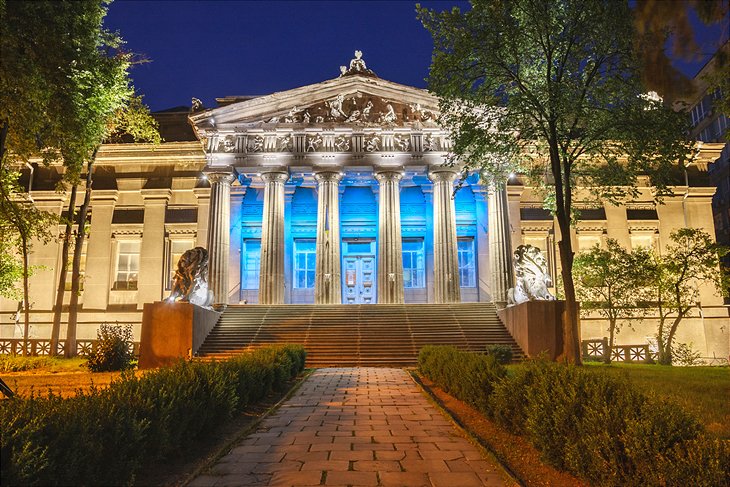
x=388 y=175
x=275 y=176
x=443 y=174
x=102 y=196
x=219 y=176
x=327 y=175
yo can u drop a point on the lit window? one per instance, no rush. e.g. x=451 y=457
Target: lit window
x=414 y=266
x=175 y=250
x=82 y=267
x=250 y=264
x=467 y=264
x=127 y=265
x=304 y=263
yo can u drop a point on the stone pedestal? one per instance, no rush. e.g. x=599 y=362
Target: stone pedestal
x=390 y=243
x=536 y=326
x=328 y=278
x=500 y=246
x=219 y=222
x=271 y=282
x=445 y=250
x=171 y=331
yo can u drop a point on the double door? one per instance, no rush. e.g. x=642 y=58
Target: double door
x=358 y=273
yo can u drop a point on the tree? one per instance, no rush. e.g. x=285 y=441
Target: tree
x=609 y=282
x=552 y=88
x=674 y=278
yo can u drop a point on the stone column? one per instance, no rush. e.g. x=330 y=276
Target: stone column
x=445 y=253
x=328 y=277
x=152 y=251
x=500 y=245
x=390 y=242
x=99 y=256
x=219 y=222
x=271 y=281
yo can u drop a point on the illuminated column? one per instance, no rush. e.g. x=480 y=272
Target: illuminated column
x=219 y=222
x=445 y=250
x=327 y=277
x=500 y=245
x=271 y=281
x=390 y=244
x=152 y=252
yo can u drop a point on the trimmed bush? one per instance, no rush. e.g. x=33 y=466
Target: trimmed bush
x=503 y=353
x=595 y=426
x=103 y=437
x=112 y=349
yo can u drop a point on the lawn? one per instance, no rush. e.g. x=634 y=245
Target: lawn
x=704 y=391
x=40 y=374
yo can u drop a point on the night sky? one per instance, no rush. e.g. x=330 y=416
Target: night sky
x=210 y=49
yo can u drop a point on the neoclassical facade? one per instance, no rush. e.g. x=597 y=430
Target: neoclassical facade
x=337 y=192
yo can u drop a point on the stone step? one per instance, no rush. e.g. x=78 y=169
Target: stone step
x=373 y=335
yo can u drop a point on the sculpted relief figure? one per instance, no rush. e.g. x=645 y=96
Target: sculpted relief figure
x=313 y=143
x=335 y=107
x=389 y=116
x=190 y=283
x=531 y=276
x=372 y=143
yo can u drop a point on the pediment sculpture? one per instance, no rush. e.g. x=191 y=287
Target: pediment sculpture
x=531 y=276
x=190 y=283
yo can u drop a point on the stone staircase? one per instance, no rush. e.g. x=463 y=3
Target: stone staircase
x=358 y=335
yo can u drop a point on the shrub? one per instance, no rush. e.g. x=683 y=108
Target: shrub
x=684 y=354
x=18 y=363
x=503 y=353
x=596 y=426
x=112 y=349
x=102 y=437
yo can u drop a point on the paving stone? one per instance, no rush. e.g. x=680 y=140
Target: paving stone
x=355 y=426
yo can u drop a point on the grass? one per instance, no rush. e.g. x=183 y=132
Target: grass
x=51 y=365
x=704 y=391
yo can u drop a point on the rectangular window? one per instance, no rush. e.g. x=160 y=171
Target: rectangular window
x=250 y=264
x=82 y=267
x=304 y=263
x=127 y=265
x=467 y=263
x=414 y=264
x=175 y=250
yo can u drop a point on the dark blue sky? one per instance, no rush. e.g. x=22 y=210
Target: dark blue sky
x=210 y=49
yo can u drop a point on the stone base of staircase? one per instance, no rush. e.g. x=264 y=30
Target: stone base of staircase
x=358 y=335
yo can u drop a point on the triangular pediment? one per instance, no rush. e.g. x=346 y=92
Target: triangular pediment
x=346 y=101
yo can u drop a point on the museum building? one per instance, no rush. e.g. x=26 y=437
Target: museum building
x=337 y=192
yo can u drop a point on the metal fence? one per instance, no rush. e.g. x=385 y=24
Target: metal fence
x=42 y=346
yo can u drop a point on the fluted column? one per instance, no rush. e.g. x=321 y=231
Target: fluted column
x=500 y=245
x=445 y=250
x=390 y=242
x=219 y=222
x=271 y=280
x=327 y=277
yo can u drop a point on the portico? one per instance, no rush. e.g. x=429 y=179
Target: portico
x=346 y=196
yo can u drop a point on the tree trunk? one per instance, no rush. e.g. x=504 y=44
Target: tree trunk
x=571 y=334
x=26 y=296
x=611 y=336
x=61 y=291
x=76 y=268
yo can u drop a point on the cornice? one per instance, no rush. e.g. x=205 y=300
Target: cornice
x=165 y=153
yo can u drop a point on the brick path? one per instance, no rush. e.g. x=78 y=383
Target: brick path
x=355 y=426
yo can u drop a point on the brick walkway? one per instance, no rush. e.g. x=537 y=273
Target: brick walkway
x=355 y=426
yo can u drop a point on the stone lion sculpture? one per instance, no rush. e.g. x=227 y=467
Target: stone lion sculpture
x=531 y=276
x=190 y=283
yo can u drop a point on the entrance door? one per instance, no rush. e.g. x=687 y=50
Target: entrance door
x=358 y=276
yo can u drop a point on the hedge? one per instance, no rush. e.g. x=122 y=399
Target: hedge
x=597 y=427
x=104 y=436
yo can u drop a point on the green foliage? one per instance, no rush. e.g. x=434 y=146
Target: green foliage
x=135 y=420
x=610 y=282
x=502 y=353
x=596 y=426
x=674 y=279
x=552 y=89
x=112 y=349
x=17 y=363
x=684 y=354
x=448 y=366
